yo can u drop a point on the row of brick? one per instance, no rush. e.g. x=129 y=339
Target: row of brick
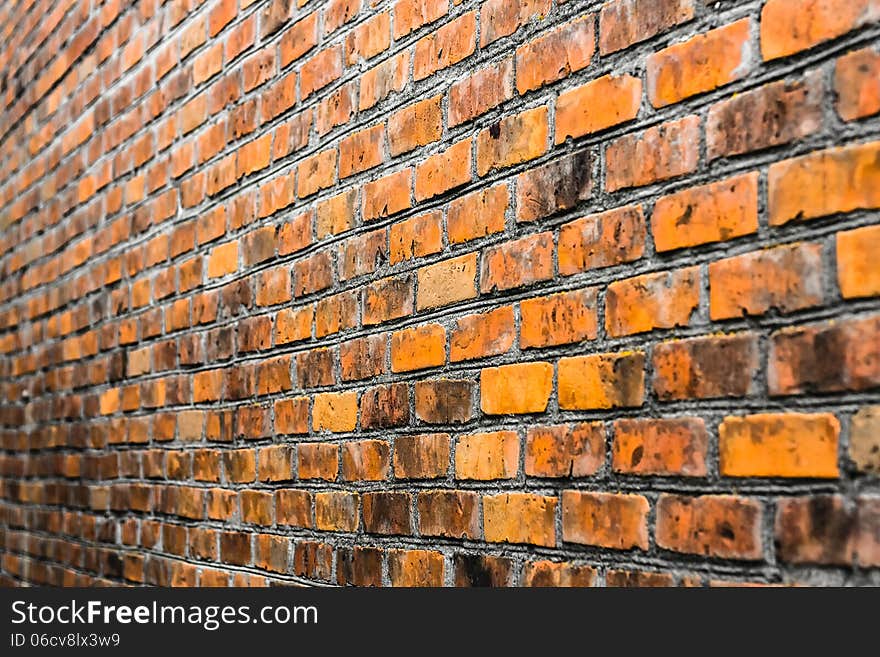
x=759 y=445
x=718 y=526
x=317 y=561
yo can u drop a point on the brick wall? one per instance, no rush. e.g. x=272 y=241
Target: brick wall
x=432 y=292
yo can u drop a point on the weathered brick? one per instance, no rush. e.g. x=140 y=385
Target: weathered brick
x=518 y=388
x=706 y=367
x=710 y=213
x=660 y=153
x=669 y=446
x=520 y=518
x=602 y=381
x=777 y=113
x=565 y=450
x=602 y=240
x=608 y=520
x=721 y=526
x=785 y=278
x=623 y=23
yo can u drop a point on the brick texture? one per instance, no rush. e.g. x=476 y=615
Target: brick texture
x=440 y=293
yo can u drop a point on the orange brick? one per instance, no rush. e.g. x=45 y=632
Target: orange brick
x=857 y=273
x=487 y=456
x=857 y=84
x=409 y=15
x=500 y=18
x=606 y=520
x=443 y=171
x=361 y=151
x=518 y=388
x=597 y=105
x=786 y=278
x=779 y=445
x=558 y=319
x=446 y=46
x=602 y=381
x=520 y=518
x=387 y=195
x=336 y=412
x=602 y=240
x=644 y=303
x=659 y=153
x=316 y=172
x=418 y=348
x=413 y=238
x=555 y=55
x=824 y=183
x=512 y=140
x=703 y=63
x=817 y=21
x=711 y=213
x=293 y=324
x=477 y=215
x=336 y=214
x=576 y=450
x=416 y=125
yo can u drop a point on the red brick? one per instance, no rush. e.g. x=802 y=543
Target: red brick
x=664 y=300
x=706 y=367
x=447 y=45
x=517 y=264
x=415 y=125
x=483 y=90
x=627 y=22
x=476 y=215
x=670 y=446
x=721 y=526
x=777 y=113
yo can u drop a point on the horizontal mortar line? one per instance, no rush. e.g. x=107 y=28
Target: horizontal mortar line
x=764 y=489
